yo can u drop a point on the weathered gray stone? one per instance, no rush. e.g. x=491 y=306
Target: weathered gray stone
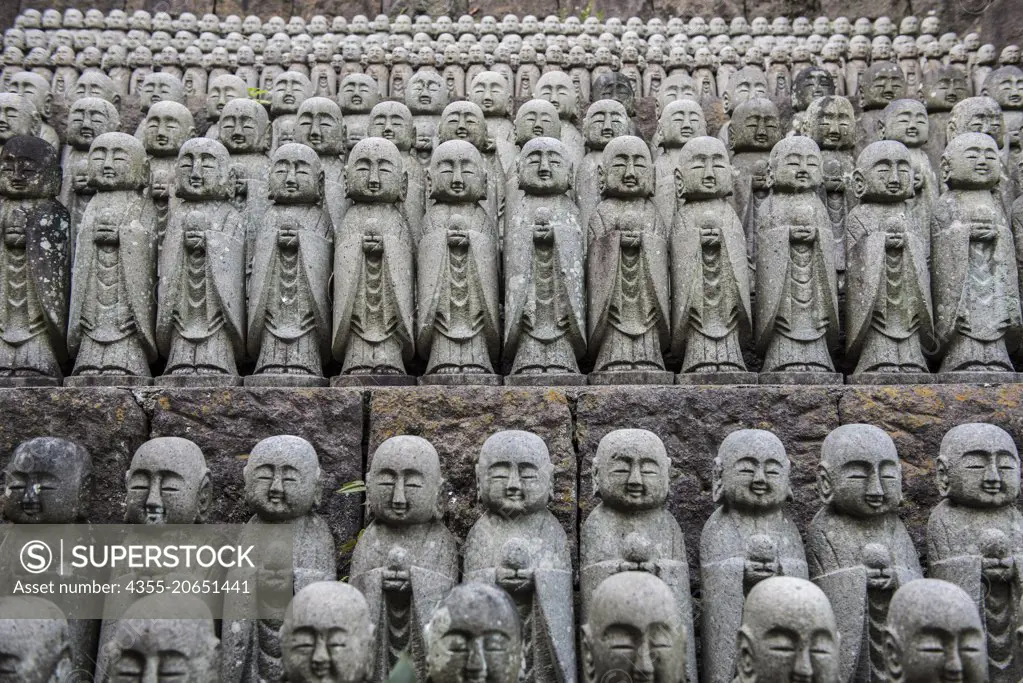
x=36 y=639
x=168 y=483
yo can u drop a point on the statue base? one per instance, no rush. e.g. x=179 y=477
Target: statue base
x=197 y=381
x=461 y=380
x=978 y=377
x=888 y=378
x=373 y=381
x=108 y=381
x=271 y=380
x=546 y=379
x=28 y=382
x=610 y=377
x=802 y=378
x=705 y=378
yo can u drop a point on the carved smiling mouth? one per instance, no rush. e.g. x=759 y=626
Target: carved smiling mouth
x=387 y=134
x=991 y=487
x=874 y=501
x=759 y=488
x=31 y=507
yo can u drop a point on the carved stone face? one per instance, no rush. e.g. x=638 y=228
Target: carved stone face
x=427 y=93
x=943 y=88
x=796 y=165
x=204 y=170
x=18 y=116
x=626 y=169
x=746 y=83
x=46 y=482
x=457 y=173
x=243 y=127
x=755 y=126
x=906 y=121
x=34 y=643
x=680 y=122
x=978 y=466
x=33 y=88
x=474 y=635
x=557 y=88
x=290 y=89
x=29 y=169
x=117 y=161
x=703 y=170
x=463 y=121
x=634 y=626
x=183 y=650
x=168 y=125
x=830 y=122
x=810 y=84
x=884 y=83
x=514 y=473
x=788 y=633
x=751 y=472
x=536 y=118
x=160 y=87
x=404 y=481
x=971 y=161
x=320 y=126
x=327 y=635
x=490 y=92
x=358 y=94
x=544 y=167
x=605 y=120
x=282 y=476
x=631 y=470
x=934 y=633
x=393 y=121
x=860 y=475
x=295 y=175
x=615 y=86
x=1005 y=86
x=168 y=483
x=884 y=173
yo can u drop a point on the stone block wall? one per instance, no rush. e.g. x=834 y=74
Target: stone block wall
x=346 y=425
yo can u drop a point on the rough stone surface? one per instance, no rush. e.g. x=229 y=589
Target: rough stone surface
x=458 y=420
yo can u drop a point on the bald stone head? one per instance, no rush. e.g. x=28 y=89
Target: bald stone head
x=634 y=626
x=463 y=120
x=490 y=90
x=221 y=90
x=475 y=634
x=29 y=169
x=289 y=90
x=755 y=126
x=167 y=126
x=95 y=83
x=746 y=83
x=514 y=473
x=204 y=171
x=358 y=94
x=557 y=88
x=934 y=633
x=796 y=165
x=905 y=121
x=971 y=161
x=168 y=483
x=321 y=126
x=859 y=474
x=976 y=115
x=404 y=481
x=457 y=173
x=884 y=173
x=327 y=635
x=544 y=167
x=117 y=161
x=88 y=118
x=47 y=481
x=427 y=93
x=36 y=89
x=35 y=645
x=393 y=121
x=160 y=87
x=703 y=171
x=18 y=116
x=296 y=175
x=751 y=471
x=978 y=466
x=809 y=84
x=882 y=83
x=615 y=86
x=244 y=127
x=831 y=122
x=282 y=478
x=536 y=118
x=626 y=170
x=631 y=470
x=788 y=633
x=604 y=121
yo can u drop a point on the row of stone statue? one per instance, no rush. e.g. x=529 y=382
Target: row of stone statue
x=761 y=618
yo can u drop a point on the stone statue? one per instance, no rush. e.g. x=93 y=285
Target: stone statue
x=290 y=89
x=710 y=316
x=373 y=334
x=680 y=121
x=357 y=95
x=319 y=125
x=934 y=633
x=557 y=88
x=888 y=300
x=545 y=329
x=201 y=321
x=906 y=121
x=327 y=636
x=882 y=84
x=536 y=119
x=426 y=97
x=519 y=545
x=616 y=86
x=393 y=121
x=1004 y=85
x=604 y=121
x=167 y=126
x=465 y=121
x=754 y=130
x=751 y=487
x=631 y=530
x=983 y=115
x=975 y=534
x=35 y=642
x=168 y=482
x=158 y=87
x=18 y=116
x=940 y=90
x=788 y=633
x=858 y=549
x=282 y=486
x=406 y=560
x=975 y=279
x=458 y=269
x=36 y=90
x=475 y=630
x=490 y=91
x=807 y=85
x=113 y=281
x=627 y=272
x=796 y=314
x=47 y=481
x=88 y=118
x=288 y=295
x=633 y=628
x=181 y=639
x=222 y=90
x=35 y=265
x=244 y=130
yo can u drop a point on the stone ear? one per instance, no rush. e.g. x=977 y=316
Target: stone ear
x=680 y=184
x=950 y=130
x=745 y=660
x=586 y=643
x=859 y=183
x=601 y=179
x=942 y=477
x=825 y=487
x=116 y=102
x=717 y=486
x=892 y=656
x=47 y=110
x=205 y=499
x=881 y=131
x=321 y=187
x=945 y=169
x=726 y=102
x=402 y=188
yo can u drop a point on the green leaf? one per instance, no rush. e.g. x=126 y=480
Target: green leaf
x=350 y=488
